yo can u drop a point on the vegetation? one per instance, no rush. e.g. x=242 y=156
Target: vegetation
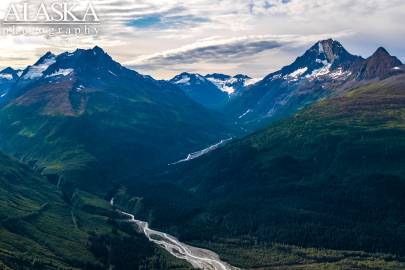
x=330 y=177
x=43 y=227
x=279 y=256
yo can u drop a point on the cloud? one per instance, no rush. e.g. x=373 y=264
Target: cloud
x=233 y=50
x=251 y=36
x=211 y=51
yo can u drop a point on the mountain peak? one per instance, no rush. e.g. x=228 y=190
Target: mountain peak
x=381 y=51
x=187 y=78
x=331 y=49
x=47 y=55
x=218 y=76
x=321 y=59
x=379 y=65
x=242 y=76
x=98 y=50
x=8 y=70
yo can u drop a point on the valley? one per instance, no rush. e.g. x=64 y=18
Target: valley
x=197 y=257
x=303 y=169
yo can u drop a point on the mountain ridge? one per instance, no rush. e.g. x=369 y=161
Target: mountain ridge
x=325 y=69
x=67 y=111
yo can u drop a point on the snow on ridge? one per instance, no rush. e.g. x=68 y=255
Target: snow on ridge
x=6 y=76
x=297 y=73
x=320 y=72
x=183 y=80
x=61 y=72
x=251 y=81
x=339 y=74
x=226 y=85
x=35 y=72
x=222 y=85
x=321 y=50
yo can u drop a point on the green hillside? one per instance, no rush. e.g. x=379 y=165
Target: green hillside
x=333 y=176
x=103 y=122
x=43 y=227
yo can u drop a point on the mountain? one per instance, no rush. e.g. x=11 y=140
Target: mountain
x=332 y=176
x=379 y=66
x=326 y=69
x=84 y=116
x=8 y=77
x=201 y=90
x=231 y=85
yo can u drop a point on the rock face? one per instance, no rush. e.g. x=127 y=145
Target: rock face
x=379 y=66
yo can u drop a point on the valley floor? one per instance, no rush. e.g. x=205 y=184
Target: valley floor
x=283 y=257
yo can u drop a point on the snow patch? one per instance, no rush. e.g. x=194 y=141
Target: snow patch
x=244 y=114
x=339 y=74
x=185 y=80
x=112 y=73
x=319 y=61
x=297 y=73
x=35 y=72
x=201 y=152
x=321 y=50
x=223 y=85
x=6 y=76
x=252 y=81
x=320 y=72
x=61 y=72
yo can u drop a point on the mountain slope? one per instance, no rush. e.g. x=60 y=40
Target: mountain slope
x=44 y=226
x=84 y=116
x=201 y=90
x=326 y=69
x=330 y=177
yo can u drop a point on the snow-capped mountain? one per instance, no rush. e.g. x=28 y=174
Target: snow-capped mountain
x=92 y=114
x=201 y=90
x=231 y=85
x=325 y=69
x=325 y=59
x=8 y=78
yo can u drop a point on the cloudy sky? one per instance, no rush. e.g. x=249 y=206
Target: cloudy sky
x=254 y=37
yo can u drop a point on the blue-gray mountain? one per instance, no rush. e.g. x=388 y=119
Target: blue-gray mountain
x=84 y=116
x=213 y=91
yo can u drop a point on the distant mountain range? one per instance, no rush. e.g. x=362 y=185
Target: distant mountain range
x=323 y=166
x=213 y=90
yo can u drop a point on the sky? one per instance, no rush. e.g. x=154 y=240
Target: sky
x=255 y=37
